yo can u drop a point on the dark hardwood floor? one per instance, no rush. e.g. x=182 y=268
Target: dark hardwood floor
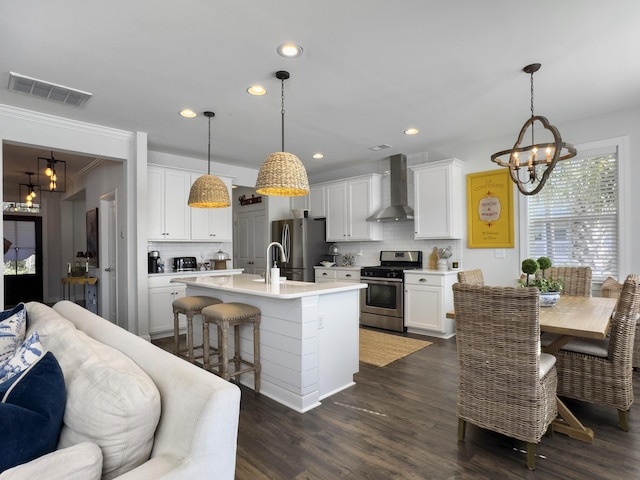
x=399 y=422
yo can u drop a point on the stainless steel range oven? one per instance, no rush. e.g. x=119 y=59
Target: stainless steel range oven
x=382 y=302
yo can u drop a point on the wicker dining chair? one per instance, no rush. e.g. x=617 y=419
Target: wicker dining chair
x=611 y=289
x=600 y=371
x=504 y=383
x=473 y=277
x=577 y=280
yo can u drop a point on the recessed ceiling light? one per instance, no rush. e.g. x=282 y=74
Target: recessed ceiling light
x=187 y=113
x=411 y=131
x=289 y=50
x=257 y=90
x=318 y=155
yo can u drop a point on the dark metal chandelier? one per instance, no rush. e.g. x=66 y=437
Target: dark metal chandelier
x=530 y=165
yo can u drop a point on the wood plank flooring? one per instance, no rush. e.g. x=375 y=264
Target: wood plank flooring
x=399 y=422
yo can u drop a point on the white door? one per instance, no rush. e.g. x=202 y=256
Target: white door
x=108 y=304
x=250 y=242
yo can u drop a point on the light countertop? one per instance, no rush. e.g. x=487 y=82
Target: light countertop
x=340 y=267
x=230 y=271
x=254 y=285
x=425 y=271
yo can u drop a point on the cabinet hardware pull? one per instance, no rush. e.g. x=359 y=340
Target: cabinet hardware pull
x=348 y=275
x=422 y=280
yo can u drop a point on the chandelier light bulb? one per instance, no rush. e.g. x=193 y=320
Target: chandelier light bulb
x=48 y=171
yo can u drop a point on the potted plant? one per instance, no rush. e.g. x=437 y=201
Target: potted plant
x=548 y=287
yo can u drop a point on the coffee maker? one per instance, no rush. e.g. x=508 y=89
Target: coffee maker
x=154 y=257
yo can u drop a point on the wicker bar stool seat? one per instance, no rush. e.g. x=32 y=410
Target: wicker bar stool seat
x=188 y=306
x=225 y=315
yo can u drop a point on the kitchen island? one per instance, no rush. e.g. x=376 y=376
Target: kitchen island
x=309 y=342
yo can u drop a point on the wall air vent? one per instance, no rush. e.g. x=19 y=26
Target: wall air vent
x=46 y=90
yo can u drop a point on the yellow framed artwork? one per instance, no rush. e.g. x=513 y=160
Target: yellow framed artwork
x=490 y=209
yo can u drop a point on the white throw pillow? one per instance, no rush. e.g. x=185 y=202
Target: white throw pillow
x=79 y=462
x=111 y=401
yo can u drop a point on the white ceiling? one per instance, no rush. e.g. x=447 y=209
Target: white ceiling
x=370 y=69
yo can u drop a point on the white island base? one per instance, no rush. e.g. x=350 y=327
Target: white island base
x=309 y=341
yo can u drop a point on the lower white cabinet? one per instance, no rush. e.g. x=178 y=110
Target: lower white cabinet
x=427 y=299
x=333 y=274
x=162 y=293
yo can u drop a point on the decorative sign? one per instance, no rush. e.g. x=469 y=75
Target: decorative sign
x=248 y=201
x=490 y=209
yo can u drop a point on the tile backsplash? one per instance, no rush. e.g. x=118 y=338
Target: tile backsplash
x=202 y=251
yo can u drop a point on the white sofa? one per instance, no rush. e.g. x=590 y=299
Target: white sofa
x=196 y=433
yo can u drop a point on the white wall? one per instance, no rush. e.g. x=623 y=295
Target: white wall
x=24 y=127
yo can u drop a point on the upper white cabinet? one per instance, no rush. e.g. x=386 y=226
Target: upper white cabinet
x=438 y=191
x=212 y=224
x=171 y=219
x=314 y=202
x=348 y=204
x=168 y=195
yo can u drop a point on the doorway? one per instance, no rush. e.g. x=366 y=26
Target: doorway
x=109 y=257
x=23 y=279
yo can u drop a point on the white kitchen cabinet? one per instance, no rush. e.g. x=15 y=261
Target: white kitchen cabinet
x=348 y=204
x=439 y=200
x=317 y=201
x=314 y=202
x=168 y=193
x=212 y=224
x=337 y=274
x=162 y=293
x=427 y=298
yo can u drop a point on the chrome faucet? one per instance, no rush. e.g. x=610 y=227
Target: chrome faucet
x=267 y=275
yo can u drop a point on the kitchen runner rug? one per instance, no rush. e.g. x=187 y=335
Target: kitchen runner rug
x=381 y=349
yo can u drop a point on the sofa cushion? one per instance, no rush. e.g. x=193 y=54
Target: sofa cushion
x=31 y=413
x=79 y=462
x=111 y=401
x=26 y=355
x=13 y=325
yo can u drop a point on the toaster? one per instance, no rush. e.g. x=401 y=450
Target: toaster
x=184 y=264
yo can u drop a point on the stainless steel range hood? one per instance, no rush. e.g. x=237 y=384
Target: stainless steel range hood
x=399 y=209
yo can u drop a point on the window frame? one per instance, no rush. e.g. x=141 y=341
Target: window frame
x=624 y=202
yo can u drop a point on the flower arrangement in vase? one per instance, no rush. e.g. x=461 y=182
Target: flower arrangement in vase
x=548 y=287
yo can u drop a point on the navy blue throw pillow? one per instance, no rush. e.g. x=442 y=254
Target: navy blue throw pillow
x=31 y=413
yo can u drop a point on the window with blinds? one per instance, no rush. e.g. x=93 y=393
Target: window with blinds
x=574 y=218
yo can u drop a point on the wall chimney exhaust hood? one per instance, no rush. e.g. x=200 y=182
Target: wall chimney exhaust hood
x=399 y=209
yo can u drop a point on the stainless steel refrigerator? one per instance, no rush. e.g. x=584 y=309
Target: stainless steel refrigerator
x=303 y=240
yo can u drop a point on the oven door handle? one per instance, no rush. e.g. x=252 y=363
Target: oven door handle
x=380 y=281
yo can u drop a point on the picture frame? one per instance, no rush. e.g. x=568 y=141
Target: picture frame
x=490 y=209
x=93 y=250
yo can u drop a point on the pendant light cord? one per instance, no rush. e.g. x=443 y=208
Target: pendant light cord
x=282 y=110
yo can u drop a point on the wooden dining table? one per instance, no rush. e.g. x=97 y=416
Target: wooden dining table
x=573 y=317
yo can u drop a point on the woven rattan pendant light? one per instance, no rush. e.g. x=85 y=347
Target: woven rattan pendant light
x=282 y=174
x=208 y=191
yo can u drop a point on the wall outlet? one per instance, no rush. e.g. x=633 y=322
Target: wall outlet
x=500 y=253
x=320 y=321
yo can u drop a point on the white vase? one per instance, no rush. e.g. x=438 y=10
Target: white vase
x=549 y=299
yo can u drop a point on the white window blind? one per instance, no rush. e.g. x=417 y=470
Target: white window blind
x=574 y=218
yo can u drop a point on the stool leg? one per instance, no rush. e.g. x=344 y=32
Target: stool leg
x=190 y=335
x=256 y=355
x=236 y=348
x=176 y=332
x=225 y=349
x=205 y=344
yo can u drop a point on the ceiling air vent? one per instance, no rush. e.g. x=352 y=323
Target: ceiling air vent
x=46 y=90
x=384 y=146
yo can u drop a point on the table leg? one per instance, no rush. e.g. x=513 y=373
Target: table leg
x=557 y=344
x=568 y=424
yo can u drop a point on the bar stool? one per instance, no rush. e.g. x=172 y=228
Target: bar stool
x=188 y=306
x=225 y=315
